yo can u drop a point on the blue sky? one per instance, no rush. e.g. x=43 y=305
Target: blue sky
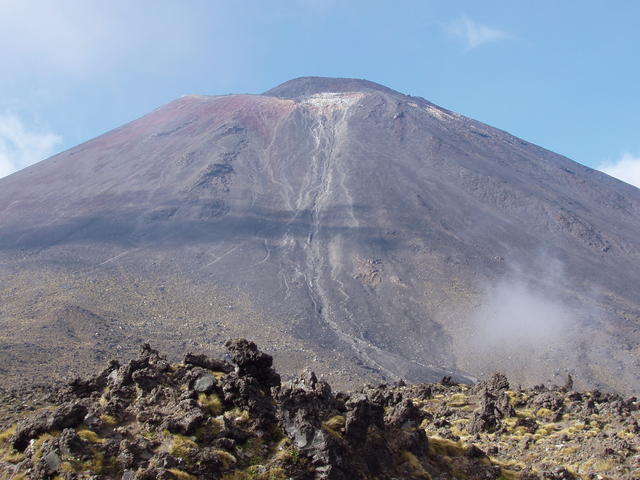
x=564 y=75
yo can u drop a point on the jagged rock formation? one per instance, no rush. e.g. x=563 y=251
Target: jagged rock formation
x=206 y=418
x=494 y=406
x=373 y=233
x=150 y=419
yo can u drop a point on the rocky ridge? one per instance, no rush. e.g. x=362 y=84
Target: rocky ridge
x=236 y=420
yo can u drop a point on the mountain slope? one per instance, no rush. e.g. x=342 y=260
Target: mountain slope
x=333 y=219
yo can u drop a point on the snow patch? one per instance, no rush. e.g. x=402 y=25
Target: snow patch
x=436 y=112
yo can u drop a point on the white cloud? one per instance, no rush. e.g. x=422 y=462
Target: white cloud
x=627 y=169
x=76 y=38
x=475 y=34
x=20 y=147
x=60 y=36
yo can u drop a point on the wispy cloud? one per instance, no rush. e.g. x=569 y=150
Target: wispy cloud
x=475 y=34
x=627 y=169
x=79 y=39
x=65 y=37
x=20 y=147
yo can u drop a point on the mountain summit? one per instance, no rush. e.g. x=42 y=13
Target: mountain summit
x=334 y=220
x=307 y=86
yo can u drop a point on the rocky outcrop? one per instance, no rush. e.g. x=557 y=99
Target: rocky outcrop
x=205 y=418
x=494 y=405
x=252 y=363
x=208 y=418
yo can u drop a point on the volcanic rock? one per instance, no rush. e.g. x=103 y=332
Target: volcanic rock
x=241 y=428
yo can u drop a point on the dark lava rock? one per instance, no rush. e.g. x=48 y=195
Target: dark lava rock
x=79 y=387
x=208 y=363
x=492 y=410
x=184 y=422
x=404 y=415
x=72 y=445
x=361 y=415
x=66 y=416
x=147 y=419
x=251 y=362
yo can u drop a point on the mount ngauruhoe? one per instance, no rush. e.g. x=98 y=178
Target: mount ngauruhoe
x=338 y=223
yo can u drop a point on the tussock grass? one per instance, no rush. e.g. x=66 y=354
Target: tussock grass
x=6 y=435
x=37 y=444
x=546 y=429
x=7 y=453
x=253 y=473
x=524 y=412
x=181 y=475
x=89 y=436
x=95 y=465
x=458 y=400
x=254 y=450
x=108 y=419
x=439 y=446
x=211 y=403
x=457 y=431
x=209 y=430
x=567 y=451
x=599 y=465
x=238 y=415
x=410 y=459
x=506 y=474
x=544 y=413
x=625 y=434
x=335 y=422
x=226 y=458
x=181 y=446
x=334 y=425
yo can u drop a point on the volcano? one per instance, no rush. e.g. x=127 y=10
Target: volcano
x=337 y=222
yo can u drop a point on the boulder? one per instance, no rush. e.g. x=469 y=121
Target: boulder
x=204 y=384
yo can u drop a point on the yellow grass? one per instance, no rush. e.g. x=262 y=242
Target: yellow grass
x=210 y=403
